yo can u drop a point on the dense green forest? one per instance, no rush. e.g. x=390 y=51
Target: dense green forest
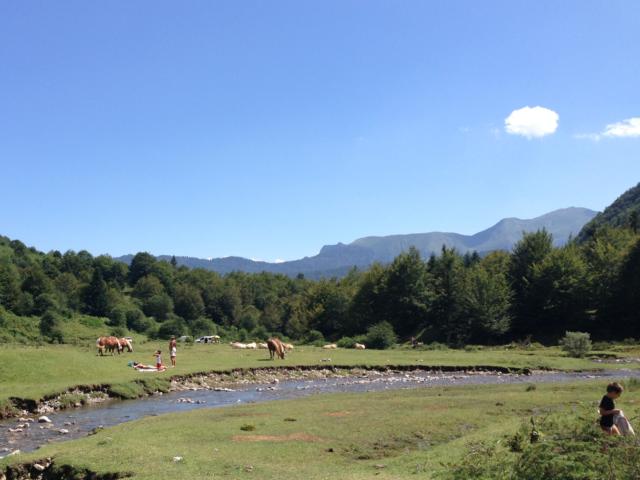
x=535 y=291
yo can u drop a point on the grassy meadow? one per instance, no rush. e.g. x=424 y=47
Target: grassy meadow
x=389 y=435
x=33 y=372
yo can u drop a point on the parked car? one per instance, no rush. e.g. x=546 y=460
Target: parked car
x=209 y=339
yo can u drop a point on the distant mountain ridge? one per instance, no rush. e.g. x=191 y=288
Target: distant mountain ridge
x=337 y=260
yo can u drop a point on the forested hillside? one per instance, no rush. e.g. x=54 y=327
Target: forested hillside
x=624 y=212
x=537 y=290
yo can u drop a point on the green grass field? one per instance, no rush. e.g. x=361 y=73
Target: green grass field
x=386 y=435
x=36 y=371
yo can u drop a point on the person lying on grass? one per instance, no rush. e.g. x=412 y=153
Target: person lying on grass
x=142 y=366
x=608 y=409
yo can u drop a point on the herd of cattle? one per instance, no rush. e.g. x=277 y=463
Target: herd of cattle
x=275 y=346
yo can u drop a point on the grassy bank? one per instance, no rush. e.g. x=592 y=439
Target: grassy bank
x=35 y=372
x=390 y=435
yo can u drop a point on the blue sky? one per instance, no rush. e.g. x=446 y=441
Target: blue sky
x=267 y=129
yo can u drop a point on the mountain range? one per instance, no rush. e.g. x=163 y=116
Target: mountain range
x=337 y=260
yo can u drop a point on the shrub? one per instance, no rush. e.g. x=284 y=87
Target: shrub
x=260 y=333
x=203 y=326
x=51 y=326
x=435 y=346
x=381 y=336
x=346 y=342
x=566 y=445
x=314 y=336
x=118 y=332
x=602 y=345
x=137 y=322
x=243 y=335
x=171 y=327
x=118 y=316
x=576 y=344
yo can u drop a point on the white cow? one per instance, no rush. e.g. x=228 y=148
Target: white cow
x=251 y=346
x=288 y=347
x=359 y=346
x=238 y=345
x=263 y=346
x=331 y=346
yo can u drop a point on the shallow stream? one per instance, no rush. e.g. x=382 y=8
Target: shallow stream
x=79 y=422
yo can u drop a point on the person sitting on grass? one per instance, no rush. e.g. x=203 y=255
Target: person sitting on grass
x=608 y=409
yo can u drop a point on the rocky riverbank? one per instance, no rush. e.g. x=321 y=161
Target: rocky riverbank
x=83 y=395
x=47 y=469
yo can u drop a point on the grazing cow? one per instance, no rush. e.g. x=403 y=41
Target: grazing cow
x=108 y=344
x=276 y=348
x=288 y=346
x=359 y=346
x=238 y=345
x=251 y=346
x=125 y=343
x=263 y=346
x=331 y=346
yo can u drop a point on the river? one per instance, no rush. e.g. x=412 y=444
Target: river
x=79 y=422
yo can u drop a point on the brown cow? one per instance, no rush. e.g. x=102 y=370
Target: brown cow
x=276 y=348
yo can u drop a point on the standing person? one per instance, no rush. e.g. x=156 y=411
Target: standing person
x=158 y=356
x=173 y=350
x=608 y=409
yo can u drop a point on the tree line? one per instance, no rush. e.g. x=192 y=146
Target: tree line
x=535 y=291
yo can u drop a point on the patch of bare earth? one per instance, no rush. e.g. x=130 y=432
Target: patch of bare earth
x=299 y=437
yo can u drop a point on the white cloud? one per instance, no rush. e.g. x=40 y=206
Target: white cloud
x=531 y=122
x=279 y=260
x=626 y=128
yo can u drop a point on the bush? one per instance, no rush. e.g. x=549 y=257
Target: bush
x=243 y=335
x=602 y=345
x=203 y=326
x=435 y=346
x=119 y=332
x=576 y=344
x=171 y=327
x=566 y=445
x=381 y=336
x=346 y=342
x=118 y=316
x=260 y=333
x=314 y=337
x=137 y=322
x=51 y=326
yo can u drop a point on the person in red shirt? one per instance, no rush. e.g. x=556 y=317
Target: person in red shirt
x=158 y=356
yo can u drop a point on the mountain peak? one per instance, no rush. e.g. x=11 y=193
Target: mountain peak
x=338 y=259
